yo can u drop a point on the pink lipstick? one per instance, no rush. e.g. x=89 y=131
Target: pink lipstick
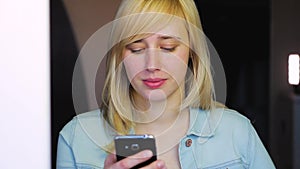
x=154 y=83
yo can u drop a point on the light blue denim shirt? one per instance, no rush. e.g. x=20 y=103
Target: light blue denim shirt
x=223 y=139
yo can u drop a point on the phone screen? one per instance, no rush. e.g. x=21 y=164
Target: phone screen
x=128 y=145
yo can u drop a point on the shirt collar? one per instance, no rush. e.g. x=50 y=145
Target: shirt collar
x=203 y=123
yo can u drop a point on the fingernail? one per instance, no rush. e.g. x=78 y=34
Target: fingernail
x=160 y=164
x=147 y=153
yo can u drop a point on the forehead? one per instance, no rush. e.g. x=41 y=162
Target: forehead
x=177 y=30
x=134 y=27
x=173 y=30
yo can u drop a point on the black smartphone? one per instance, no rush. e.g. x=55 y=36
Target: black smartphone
x=127 y=145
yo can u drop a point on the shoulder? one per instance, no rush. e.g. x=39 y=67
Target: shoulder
x=220 y=122
x=89 y=126
x=234 y=117
x=72 y=124
x=239 y=132
x=235 y=128
x=87 y=138
x=216 y=118
x=232 y=121
x=229 y=134
x=226 y=124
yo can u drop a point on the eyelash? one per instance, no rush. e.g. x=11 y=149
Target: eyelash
x=169 y=49
x=140 y=50
x=136 y=51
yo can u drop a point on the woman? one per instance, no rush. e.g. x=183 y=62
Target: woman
x=159 y=82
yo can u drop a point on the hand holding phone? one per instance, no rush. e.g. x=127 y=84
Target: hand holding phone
x=129 y=145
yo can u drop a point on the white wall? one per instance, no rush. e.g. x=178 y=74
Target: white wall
x=25 y=84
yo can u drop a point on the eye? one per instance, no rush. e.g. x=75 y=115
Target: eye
x=137 y=50
x=168 y=49
x=135 y=47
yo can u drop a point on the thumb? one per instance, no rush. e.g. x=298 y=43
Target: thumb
x=110 y=160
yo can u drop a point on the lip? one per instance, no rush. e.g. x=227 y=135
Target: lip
x=154 y=83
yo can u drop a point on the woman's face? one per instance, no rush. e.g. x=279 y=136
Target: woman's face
x=156 y=65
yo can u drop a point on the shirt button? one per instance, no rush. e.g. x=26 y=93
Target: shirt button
x=188 y=142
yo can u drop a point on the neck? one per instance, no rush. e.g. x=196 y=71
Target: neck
x=158 y=116
x=168 y=129
x=154 y=116
x=157 y=111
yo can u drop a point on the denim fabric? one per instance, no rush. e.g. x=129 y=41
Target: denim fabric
x=222 y=139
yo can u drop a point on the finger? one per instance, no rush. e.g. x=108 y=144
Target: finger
x=110 y=160
x=158 y=164
x=135 y=159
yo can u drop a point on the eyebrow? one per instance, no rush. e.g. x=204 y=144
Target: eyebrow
x=163 y=37
x=170 y=37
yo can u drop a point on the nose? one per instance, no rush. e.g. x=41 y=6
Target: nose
x=152 y=60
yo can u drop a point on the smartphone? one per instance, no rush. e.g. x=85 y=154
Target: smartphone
x=127 y=145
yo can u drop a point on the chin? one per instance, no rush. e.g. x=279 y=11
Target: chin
x=156 y=95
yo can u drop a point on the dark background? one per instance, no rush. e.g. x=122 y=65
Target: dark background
x=242 y=40
x=64 y=53
x=240 y=30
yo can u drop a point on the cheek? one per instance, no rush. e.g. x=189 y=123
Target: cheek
x=176 y=65
x=133 y=66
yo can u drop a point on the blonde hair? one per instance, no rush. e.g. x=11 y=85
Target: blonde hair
x=133 y=19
